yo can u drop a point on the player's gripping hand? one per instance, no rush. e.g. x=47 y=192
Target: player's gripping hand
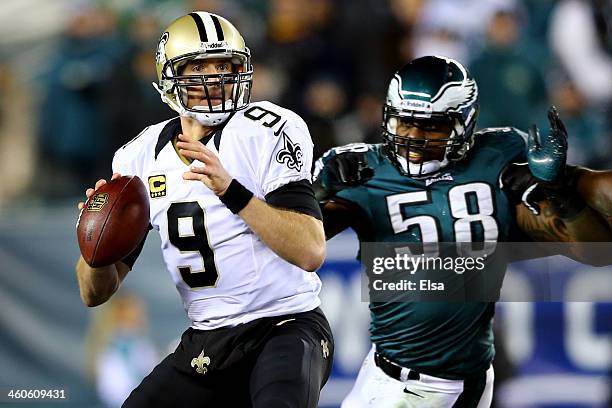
x=90 y=191
x=340 y=169
x=547 y=156
x=209 y=170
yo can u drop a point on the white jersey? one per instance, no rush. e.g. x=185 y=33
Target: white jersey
x=224 y=273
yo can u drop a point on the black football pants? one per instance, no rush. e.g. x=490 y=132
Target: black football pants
x=276 y=362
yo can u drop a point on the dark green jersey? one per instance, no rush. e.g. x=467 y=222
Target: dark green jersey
x=461 y=203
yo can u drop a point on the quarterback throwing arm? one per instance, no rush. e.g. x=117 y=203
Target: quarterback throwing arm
x=282 y=213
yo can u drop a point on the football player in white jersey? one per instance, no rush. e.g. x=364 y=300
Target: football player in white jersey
x=231 y=197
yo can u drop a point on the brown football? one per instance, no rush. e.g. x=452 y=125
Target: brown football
x=113 y=221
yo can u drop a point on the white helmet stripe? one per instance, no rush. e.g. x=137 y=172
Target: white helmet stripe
x=211 y=31
x=200 y=24
x=218 y=29
x=415 y=93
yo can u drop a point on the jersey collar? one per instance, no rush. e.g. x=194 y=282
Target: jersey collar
x=173 y=128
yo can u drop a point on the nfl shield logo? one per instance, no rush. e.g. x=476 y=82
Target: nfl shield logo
x=97 y=202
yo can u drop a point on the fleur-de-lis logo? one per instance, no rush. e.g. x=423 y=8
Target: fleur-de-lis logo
x=199 y=362
x=290 y=154
x=160 y=55
x=325 y=348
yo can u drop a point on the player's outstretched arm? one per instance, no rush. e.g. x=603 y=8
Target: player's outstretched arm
x=97 y=285
x=595 y=188
x=336 y=218
x=340 y=215
x=589 y=224
x=556 y=209
x=585 y=226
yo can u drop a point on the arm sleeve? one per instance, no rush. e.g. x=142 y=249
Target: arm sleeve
x=297 y=196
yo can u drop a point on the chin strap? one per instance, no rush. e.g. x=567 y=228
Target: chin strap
x=168 y=101
x=423 y=169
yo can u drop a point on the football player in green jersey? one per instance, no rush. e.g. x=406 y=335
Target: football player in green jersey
x=432 y=180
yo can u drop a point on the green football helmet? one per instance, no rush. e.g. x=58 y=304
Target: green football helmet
x=428 y=92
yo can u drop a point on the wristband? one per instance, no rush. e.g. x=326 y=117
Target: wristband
x=236 y=197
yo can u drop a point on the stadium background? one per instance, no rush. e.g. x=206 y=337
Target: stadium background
x=75 y=85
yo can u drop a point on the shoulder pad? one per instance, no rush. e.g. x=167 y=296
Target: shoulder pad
x=147 y=134
x=510 y=133
x=370 y=150
x=272 y=117
x=352 y=148
x=137 y=148
x=511 y=143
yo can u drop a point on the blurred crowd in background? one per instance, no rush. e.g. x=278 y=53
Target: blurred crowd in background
x=75 y=75
x=75 y=85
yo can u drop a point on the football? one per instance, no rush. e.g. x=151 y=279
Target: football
x=113 y=221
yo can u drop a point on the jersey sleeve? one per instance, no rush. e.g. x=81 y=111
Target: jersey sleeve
x=355 y=194
x=290 y=157
x=517 y=146
x=125 y=161
x=510 y=143
x=297 y=196
x=120 y=165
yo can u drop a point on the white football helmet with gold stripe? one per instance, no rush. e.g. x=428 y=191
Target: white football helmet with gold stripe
x=201 y=35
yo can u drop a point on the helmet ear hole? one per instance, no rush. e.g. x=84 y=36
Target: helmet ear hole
x=392 y=125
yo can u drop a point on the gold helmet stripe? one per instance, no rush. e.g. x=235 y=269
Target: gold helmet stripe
x=201 y=28
x=218 y=28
